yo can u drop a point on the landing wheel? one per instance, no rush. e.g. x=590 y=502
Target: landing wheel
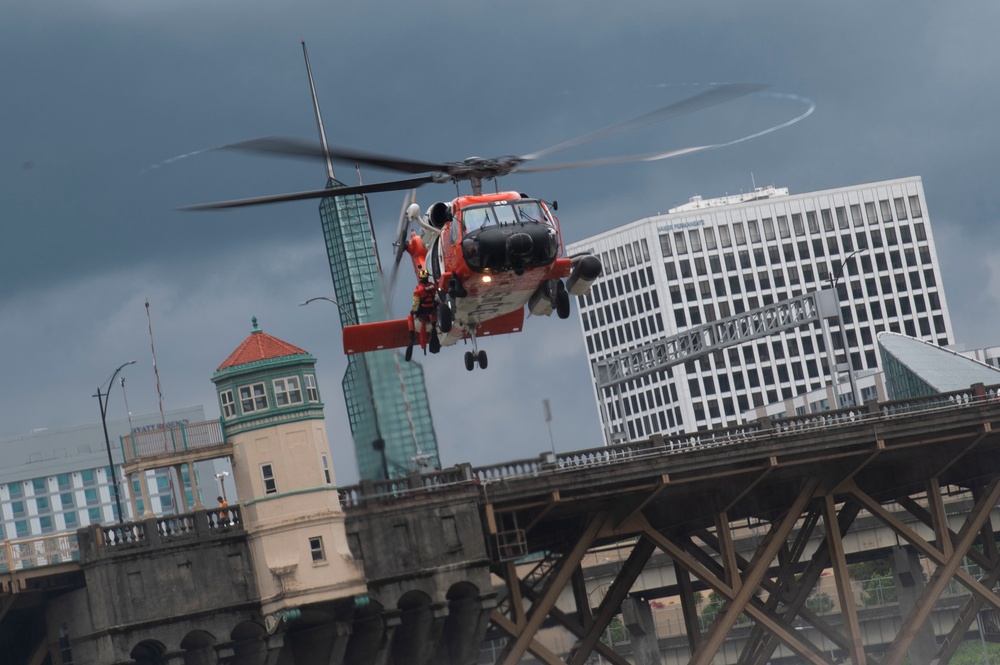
x=445 y=316
x=470 y=360
x=562 y=301
x=481 y=357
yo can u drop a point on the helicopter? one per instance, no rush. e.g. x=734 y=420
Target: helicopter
x=488 y=256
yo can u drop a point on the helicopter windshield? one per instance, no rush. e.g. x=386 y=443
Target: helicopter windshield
x=477 y=217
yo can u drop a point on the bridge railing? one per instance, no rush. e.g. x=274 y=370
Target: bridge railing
x=163 y=530
x=180 y=437
x=658 y=445
x=35 y=552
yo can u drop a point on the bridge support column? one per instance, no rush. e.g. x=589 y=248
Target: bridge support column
x=464 y=630
x=639 y=622
x=418 y=634
x=909 y=579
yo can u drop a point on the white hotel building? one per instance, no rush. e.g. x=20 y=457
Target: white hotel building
x=712 y=259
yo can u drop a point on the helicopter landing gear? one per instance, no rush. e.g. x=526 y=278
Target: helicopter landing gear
x=473 y=359
x=475 y=356
x=562 y=300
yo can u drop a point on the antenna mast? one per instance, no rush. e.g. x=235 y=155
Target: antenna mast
x=319 y=116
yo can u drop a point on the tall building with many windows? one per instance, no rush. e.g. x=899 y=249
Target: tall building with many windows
x=386 y=398
x=712 y=259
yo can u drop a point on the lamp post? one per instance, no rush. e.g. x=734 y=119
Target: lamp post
x=834 y=283
x=221 y=477
x=102 y=402
x=378 y=444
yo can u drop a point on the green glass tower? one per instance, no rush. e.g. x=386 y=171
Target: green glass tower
x=386 y=397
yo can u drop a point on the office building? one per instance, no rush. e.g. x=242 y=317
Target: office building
x=57 y=480
x=712 y=259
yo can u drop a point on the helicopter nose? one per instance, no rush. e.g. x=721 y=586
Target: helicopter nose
x=519 y=245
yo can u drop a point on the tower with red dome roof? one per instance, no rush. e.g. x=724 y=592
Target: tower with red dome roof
x=273 y=416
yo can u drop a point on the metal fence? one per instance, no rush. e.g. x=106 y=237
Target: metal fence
x=175 y=438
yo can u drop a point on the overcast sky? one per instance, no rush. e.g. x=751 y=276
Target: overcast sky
x=97 y=96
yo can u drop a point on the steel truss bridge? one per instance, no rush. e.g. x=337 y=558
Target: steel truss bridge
x=803 y=478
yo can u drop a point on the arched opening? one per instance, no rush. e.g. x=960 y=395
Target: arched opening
x=198 y=648
x=148 y=652
x=465 y=625
x=249 y=643
x=412 y=638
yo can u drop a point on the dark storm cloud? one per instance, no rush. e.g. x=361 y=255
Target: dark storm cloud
x=98 y=92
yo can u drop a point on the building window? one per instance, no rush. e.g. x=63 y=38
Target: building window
x=21 y=528
x=15 y=489
x=39 y=485
x=287 y=391
x=228 y=404
x=900 y=208
x=886 y=210
x=87 y=476
x=267 y=475
x=45 y=522
x=312 y=393
x=316 y=549
x=326 y=469
x=253 y=398
x=17 y=508
x=915 y=206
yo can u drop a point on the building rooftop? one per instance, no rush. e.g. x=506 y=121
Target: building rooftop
x=259 y=346
x=940 y=369
x=698 y=203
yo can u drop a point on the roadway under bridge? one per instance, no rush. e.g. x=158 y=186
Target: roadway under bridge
x=457 y=556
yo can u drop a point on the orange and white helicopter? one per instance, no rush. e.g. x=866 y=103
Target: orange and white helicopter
x=485 y=256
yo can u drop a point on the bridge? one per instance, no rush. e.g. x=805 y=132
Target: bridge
x=435 y=545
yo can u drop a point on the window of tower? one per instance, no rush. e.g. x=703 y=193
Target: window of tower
x=253 y=398
x=312 y=392
x=228 y=404
x=287 y=391
x=267 y=475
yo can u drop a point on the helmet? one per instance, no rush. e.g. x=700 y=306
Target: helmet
x=423 y=274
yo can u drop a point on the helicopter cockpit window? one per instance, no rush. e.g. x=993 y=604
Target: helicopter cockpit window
x=474 y=218
x=505 y=214
x=530 y=211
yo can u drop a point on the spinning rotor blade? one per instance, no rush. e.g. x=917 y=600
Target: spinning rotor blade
x=390 y=186
x=277 y=145
x=711 y=97
x=656 y=156
x=399 y=244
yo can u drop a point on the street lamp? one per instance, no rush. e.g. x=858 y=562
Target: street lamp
x=221 y=477
x=102 y=402
x=378 y=445
x=834 y=283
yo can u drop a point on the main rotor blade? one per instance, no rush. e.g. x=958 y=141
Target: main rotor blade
x=656 y=156
x=390 y=186
x=278 y=145
x=711 y=97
